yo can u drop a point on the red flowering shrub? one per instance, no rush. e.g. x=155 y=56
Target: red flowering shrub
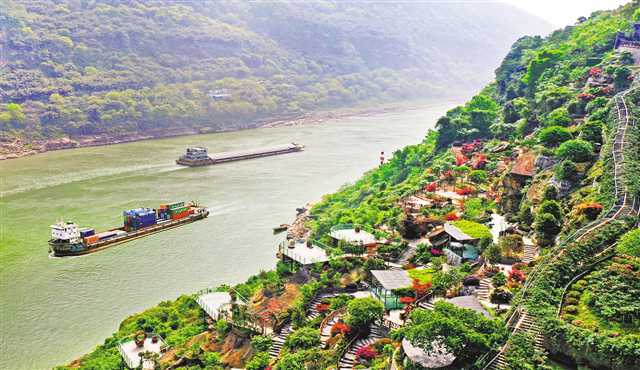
x=436 y=252
x=452 y=216
x=340 y=328
x=322 y=307
x=595 y=71
x=517 y=275
x=407 y=300
x=465 y=191
x=448 y=174
x=461 y=159
x=606 y=90
x=366 y=353
x=431 y=187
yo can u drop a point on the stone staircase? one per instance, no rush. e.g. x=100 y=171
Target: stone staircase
x=349 y=360
x=526 y=324
x=278 y=341
x=427 y=304
x=530 y=251
x=484 y=290
x=325 y=334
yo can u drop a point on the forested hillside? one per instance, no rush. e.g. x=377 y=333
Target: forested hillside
x=83 y=69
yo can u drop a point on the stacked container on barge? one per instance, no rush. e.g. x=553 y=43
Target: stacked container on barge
x=67 y=239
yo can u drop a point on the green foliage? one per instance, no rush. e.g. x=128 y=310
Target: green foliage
x=591 y=131
x=554 y=135
x=473 y=229
x=499 y=279
x=259 y=361
x=303 y=338
x=566 y=170
x=493 y=253
x=361 y=312
x=261 y=343
x=523 y=354
x=576 y=150
x=211 y=359
x=464 y=333
x=630 y=243
x=558 y=117
x=222 y=328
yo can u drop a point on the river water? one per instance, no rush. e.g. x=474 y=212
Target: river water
x=56 y=309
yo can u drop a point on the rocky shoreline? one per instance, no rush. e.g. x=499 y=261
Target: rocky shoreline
x=16 y=148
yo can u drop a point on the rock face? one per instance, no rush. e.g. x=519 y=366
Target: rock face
x=563 y=186
x=543 y=162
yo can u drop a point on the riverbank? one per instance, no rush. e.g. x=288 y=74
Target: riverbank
x=18 y=148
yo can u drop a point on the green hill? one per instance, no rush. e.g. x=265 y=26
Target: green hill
x=81 y=69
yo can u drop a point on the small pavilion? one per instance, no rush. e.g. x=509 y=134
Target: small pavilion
x=215 y=304
x=457 y=245
x=304 y=253
x=385 y=282
x=354 y=235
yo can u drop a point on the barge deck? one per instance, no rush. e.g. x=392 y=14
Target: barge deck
x=204 y=159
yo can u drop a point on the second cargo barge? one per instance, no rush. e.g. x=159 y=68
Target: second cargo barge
x=198 y=156
x=67 y=239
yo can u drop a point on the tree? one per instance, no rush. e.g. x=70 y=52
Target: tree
x=576 y=150
x=464 y=333
x=554 y=135
x=478 y=176
x=552 y=207
x=550 y=193
x=547 y=226
x=493 y=253
x=511 y=245
x=361 y=312
x=591 y=131
x=499 y=279
x=303 y=338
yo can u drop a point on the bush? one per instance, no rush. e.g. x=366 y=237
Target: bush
x=558 y=117
x=501 y=296
x=566 y=170
x=303 y=338
x=499 y=279
x=552 y=207
x=554 y=135
x=630 y=243
x=471 y=280
x=550 y=193
x=478 y=176
x=361 y=312
x=222 y=328
x=591 y=131
x=261 y=343
x=576 y=150
x=571 y=309
x=259 y=361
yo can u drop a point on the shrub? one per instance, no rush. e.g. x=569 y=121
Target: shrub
x=366 y=352
x=552 y=207
x=261 y=343
x=478 y=176
x=501 y=296
x=630 y=243
x=363 y=311
x=259 y=361
x=566 y=170
x=340 y=328
x=471 y=280
x=499 y=279
x=571 y=309
x=576 y=150
x=554 y=135
x=550 y=193
x=517 y=275
x=222 y=328
x=558 y=117
x=303 y=338
x=591 y=131
x=571 y=301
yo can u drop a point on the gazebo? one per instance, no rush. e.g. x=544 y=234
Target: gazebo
x=457 y=245
x=132 y=353
x=385 y=282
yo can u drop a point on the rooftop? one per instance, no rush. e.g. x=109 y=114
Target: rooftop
x=456 y=233
x=304 y=254
x=351 y=236
x=392 y=279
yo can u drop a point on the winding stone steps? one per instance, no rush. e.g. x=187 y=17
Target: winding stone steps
x=484 y=290
x=349 y=360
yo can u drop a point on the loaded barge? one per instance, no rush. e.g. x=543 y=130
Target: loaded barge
x=67 y=239
x=198 y=156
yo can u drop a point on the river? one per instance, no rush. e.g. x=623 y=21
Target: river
x=54 y=310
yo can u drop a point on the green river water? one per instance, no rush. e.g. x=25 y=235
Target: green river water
x=56 y=309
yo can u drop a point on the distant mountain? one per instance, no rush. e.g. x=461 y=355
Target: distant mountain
x=81 y=68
